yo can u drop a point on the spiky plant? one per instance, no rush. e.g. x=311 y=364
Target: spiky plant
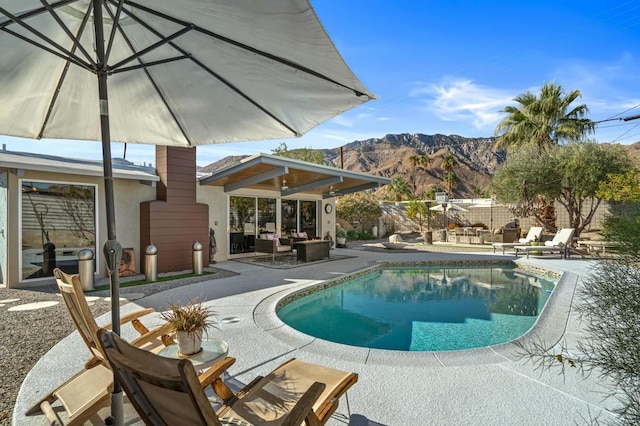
x=191 y=318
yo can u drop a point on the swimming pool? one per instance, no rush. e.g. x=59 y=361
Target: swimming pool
x=423 y=308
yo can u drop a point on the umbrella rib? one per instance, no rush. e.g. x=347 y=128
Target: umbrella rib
x=116 y=22
x=150 y=64
x=154 y=46
x=69 y=56
x=213 y=73
x=72 y=59
x=76 y=42
x=54 y=98
x=245 y=47
x=151 y=80
x=35 y=12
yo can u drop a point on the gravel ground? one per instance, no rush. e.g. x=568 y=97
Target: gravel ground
x=27 y=335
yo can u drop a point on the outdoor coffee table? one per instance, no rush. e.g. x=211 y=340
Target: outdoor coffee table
x=307 y=251
x=213 y=350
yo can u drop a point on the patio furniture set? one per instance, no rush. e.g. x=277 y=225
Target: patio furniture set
x=166 y=387
x=563 y=243
x=306 y=250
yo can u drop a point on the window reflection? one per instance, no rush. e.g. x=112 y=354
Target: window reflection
x=308 y=218
x=58 y=221
x=289 y=217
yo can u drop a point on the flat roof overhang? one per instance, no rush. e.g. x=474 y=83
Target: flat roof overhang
x=122 y=169
x=269 y=172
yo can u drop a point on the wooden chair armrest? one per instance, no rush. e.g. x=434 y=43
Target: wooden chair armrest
x=135 y=315
x=131 y=317
x=303 y=410
x=162 y=331
x=209 y=377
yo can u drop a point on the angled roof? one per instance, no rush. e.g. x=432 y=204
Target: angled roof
x=122 y=169
x=289 y=176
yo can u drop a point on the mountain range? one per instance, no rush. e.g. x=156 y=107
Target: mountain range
x=477 y=160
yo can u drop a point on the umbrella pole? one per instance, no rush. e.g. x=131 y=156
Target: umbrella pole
x=112 y=249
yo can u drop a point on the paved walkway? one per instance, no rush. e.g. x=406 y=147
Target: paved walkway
x=487 y=386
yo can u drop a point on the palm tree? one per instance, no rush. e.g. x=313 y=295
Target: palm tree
x=451 y=180
x=448 y=163
x=420 y=160
x=400 y=188
x=544 y=121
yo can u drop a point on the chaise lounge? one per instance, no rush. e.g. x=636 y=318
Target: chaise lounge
x=560 y=243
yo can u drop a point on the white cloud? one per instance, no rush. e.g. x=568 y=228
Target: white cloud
x=463 y=100
x=608 y=88
x=342 y=120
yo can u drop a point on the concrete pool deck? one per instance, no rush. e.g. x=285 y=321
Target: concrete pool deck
x=487 y=386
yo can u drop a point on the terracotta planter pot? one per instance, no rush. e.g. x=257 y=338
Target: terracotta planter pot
x=189 y=343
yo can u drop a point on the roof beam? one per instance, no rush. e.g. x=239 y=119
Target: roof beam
x=280 y=171
x=229 y=171
x=351 y=190
x=312 y=185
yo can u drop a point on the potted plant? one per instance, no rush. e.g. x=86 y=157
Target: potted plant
x=341 y=237
x=188 y=323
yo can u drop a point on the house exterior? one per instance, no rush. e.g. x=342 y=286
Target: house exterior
x=52 y=208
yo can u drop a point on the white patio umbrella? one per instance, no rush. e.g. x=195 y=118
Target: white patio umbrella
x=169 y=72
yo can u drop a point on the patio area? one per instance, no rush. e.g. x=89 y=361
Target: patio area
x=474 y=387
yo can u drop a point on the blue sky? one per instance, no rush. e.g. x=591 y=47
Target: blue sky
x=449 y=67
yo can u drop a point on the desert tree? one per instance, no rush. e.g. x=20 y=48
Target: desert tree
x=569 y=174
x=361 y=208
x=305 y=154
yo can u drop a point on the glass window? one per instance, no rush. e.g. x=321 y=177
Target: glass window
x=289 y=217
x=58 y=221
x=308 y=218
x=266 y=214
x=242 y=224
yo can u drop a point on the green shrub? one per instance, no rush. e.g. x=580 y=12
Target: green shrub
x=352 y=234
x=365 y=236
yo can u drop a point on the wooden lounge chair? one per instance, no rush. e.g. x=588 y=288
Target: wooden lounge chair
x=87 y=392
x=560 y=243
x=168 y=391
x=534 y=234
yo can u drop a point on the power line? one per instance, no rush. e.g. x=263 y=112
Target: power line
x=619 y=137
x=633 y=117
x=620 y=113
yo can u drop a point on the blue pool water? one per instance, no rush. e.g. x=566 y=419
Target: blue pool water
x=433 y=308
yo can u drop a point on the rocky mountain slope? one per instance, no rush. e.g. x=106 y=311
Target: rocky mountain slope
x=477 y=160
x=389 y=156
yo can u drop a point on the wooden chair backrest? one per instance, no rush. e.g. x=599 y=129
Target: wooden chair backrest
x=76 y=303
x=164 y=391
